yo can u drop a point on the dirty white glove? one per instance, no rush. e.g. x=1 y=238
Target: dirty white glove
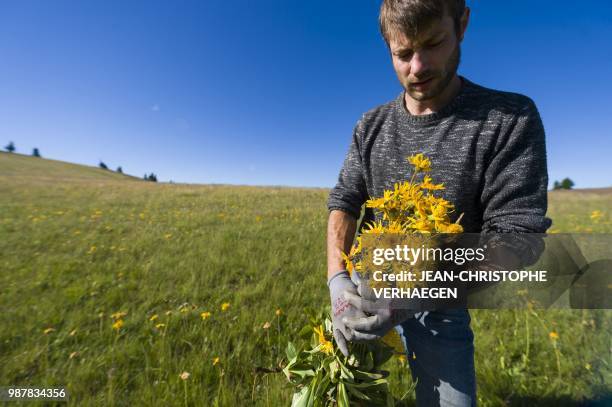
x=339 y=285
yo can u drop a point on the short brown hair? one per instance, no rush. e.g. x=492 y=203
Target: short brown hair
x=410 y=16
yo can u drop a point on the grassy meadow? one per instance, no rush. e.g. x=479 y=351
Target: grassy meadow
x=114 y=287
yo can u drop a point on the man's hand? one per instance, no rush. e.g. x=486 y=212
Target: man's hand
x=340 y=284
x=382 y=314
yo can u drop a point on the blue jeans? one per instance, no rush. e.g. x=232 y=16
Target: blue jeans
x=440 y=352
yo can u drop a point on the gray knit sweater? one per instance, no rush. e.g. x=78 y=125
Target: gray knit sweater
x=486 y=146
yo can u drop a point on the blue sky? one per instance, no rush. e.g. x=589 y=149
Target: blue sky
x=268 y=92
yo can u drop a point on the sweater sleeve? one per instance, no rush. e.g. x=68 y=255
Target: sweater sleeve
x=514 y=197
x=350 y=191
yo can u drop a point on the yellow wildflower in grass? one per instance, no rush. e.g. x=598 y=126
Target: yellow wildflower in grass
x=73 y=355
x=205 y=315
x=153 y=317
x=48 y=330
x=118 y=324
x=92 y=250
x=553 y=335
x=596 y=215
x=73 y=332
x=216 y=361
x=266 y=325
x=225 y=306
x=278 y=312
x=184 y=375
x=167 y=236
x=160 y=326
x=118 y=315
x=402 y=359
x=169 y=312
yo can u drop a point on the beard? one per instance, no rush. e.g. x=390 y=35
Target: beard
x=440 y=80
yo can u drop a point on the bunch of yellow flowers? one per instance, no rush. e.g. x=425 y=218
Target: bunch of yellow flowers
x=411 y=207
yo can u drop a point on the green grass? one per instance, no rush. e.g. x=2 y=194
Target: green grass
x=79 y=244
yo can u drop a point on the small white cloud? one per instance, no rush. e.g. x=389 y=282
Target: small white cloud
x=155 y=108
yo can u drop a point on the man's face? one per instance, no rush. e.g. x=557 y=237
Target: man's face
x=426 y=65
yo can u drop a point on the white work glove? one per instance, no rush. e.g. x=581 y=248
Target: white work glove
x=340 y=284
x=380 y=314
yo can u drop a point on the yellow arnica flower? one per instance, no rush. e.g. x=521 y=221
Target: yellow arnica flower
x=118 y=315
x=118 y=324
x=450 y=228
x=553 y=335
x=216 y=361
x=205 y=315
x=184 y=375
x=326 y=346
x=160 y=326
x=153 y=317
x=427 y=184
x=420 y=162
x=375 y=228
x=266 y=325
x=278 y=312
x=225 y=306
x=348 y=262
x=48 y=331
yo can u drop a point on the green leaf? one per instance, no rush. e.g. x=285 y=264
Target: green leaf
x=305 y=332
x=367 y=385
x=359 y=374
x=334 y=370
x=291 y=352
x=301 y=399
x=357 y=393
x=302 y=373
x=343 y=400
x=345 y=373
x=323 y=387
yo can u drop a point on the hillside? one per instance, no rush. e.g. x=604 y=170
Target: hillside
x=26 y=167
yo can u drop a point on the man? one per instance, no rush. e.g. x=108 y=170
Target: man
x=486 y=146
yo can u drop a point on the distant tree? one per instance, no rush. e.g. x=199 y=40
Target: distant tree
x=120 y=170
x=567 y=183
x=103 y=166
x=35 y=153
x=10 y=147
x=556 y=185
x=152 y=177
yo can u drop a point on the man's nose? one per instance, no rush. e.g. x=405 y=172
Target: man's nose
x=419 y=64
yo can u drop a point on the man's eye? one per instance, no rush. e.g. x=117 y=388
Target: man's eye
x=405 y=55
x=436 y=44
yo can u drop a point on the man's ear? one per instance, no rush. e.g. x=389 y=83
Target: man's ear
x=463 y=23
